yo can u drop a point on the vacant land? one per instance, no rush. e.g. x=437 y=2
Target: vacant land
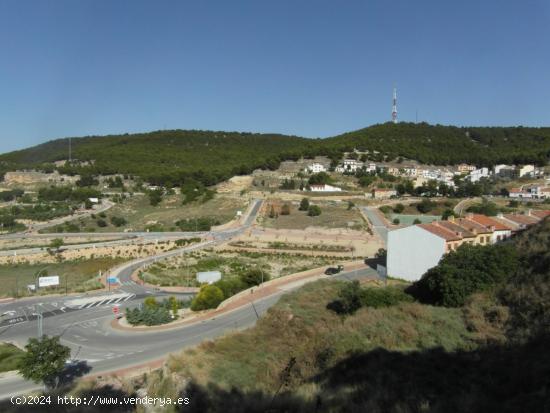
x=9 y=357
x=141 y=216
x=181 y=271
x=77 y=276
x=333 y=215
x=300 y=331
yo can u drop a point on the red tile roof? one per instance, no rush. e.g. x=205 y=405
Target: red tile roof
x=489 y=222
x=454 y=227
x=440 y=232
x=540 y=213
x=473 y=226
x=522 y=219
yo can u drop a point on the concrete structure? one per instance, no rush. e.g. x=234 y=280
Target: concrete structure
x=349 y=165
x=463 y=168
x=412 y=251
x=504 y=171
x=325 y=188
x=209 y=277
x=316 y=167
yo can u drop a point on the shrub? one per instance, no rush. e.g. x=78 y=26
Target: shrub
x=469 y=269
x=384 y=297
x=101 y=223
x=398 y=208
x=385 y=209
x=254 y=276
x=425 y=206
x=396 y=221
x=210 y=296
x=285 y=209
x=417 y=221
x=118 y=221
x=304 y=204
x=314 y=211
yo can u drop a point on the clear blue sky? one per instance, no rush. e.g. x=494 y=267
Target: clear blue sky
x=311 y=68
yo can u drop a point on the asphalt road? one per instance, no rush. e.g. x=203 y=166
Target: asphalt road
x=91 y=339
x=377 y=223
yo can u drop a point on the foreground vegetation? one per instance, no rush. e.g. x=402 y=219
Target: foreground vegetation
x=10 y=357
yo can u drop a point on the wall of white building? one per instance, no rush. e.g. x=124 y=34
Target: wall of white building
x=412 y=251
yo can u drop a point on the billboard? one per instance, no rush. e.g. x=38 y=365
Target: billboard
x=48 y=281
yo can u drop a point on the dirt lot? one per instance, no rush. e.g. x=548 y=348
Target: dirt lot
x=19 y=243
x=333 y=215
x=181 y=271
x=140 y=215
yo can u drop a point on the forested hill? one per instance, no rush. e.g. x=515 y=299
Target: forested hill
x=171 y=156
x=449 y=145
x=168 y=155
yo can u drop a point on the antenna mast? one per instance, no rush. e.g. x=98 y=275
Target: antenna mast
x=394 y=106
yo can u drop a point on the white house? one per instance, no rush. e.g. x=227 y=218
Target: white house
x=526 y=170
x=505 y=171
x=349 y=165
x=94 y=200
x=519 y=193
x=324 y=188
x=316 y=167
x=371 y=167
x=411 y=171
x=477 y=174
x=412 y=251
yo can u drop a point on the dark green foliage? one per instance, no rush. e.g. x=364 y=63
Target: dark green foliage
x=425 y=206
x=447 y=213
x=197 y=224
x=469 y=269
x=399 y=208
x=66 y=193
x=485 y=208
x=396 y=221
x=101 y=223
x=154 y=312
x=210 y=296
x=385 y=209
x=155 y=196
x=118 y=221
x=349 y=299
x=185 y=241
x=87 y=180
x=231 y=286
x=366 y=180
x=288 y=184
x=44 y=359
x=384 y=297
x=10 y=195
x=320 y=178
x=254 y=276
x=416 y=221
x=314 y=210
x=304 y=204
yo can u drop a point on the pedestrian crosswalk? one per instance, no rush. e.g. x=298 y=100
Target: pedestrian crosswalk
x=128 y=283
x=99 y=301
x=107 y=301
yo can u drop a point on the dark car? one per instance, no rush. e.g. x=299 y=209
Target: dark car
x=334 y=270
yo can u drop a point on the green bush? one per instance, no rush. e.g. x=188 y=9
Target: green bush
x=254 y=276
x=304 y=204
x=210 y=296
x=398 y=208
x=425 y=206
x=469 y=269
x=396 y=221
x=383 y=297
x=101 y=223
x=314 y=211
x=118 y=221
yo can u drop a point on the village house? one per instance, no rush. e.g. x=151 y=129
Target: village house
x=477 y=174
x=415 y=249
x=349 y=165
x=315 y=168
x=383 y=193
x=465 y=168
x=324 y=188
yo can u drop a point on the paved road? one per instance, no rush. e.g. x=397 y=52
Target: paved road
x=90 y=337
x=377 y=223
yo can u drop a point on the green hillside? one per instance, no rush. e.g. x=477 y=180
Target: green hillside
x=448 y=145
x=174 y=155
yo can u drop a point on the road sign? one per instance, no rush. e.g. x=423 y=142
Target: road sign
x=48 y=281
x=116 y=309
x=112 y=280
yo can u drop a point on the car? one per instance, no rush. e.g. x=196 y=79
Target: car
x=10 y=313
x=334 y=270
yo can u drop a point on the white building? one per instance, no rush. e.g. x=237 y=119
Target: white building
x=505 y=171
x=526 y=170
x=325 y=188
x=371 y=167
x=349 y=165
x=412 y=251
x=316 y=167
x=411 y=171
x=94 y=200
x=383 y=193
x=209 y=277
x=477 y=174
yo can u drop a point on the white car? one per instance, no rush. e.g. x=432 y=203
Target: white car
x=10 y=313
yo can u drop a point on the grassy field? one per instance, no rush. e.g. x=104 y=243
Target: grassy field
x=300 y=326
x=181 y=271
x=78 y=276
x=409 y=219
x=140 y=215
x=9 y=357
x=333 y=215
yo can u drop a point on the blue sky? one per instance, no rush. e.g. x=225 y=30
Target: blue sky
x=313 y=68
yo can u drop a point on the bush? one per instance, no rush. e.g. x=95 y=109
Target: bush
x=417 y=221
x=118 y=221
x=254 y=276
x=385 y=209
x=230 y=286
x=425 y=206
x=101 y=223
x=396 y=221
x=398 y=208
x=304 y=204
x=383 y=297
x=314 y=211
x=469 y=269
x=285 y=209
x=210 y=296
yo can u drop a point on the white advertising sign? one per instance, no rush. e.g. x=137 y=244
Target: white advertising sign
x=48 y=281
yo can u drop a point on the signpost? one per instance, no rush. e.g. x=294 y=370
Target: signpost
x=116 y=310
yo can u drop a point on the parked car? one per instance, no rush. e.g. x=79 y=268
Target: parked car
x=334 y=270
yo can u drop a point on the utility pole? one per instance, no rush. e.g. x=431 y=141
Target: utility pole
x=394 y=106
x=39 y=319
x=70 y=151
